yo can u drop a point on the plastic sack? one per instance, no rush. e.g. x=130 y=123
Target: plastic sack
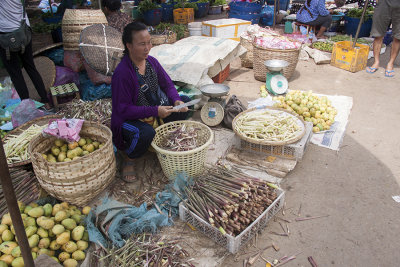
x=90 y=92
x=56 y=55
x=73 y=60
x=5 y=91
x=95 y=77
x=24 y=112
x=67 y=129
x=65 y=75
x=267 y=15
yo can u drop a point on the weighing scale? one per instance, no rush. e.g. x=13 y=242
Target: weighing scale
x=212 y=113
x=276 y=83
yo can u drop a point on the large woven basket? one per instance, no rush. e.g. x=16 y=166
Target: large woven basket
x=247 y=58
x=75 y=20
x=159 y=39
x=260 y=55
x=80 y=180
x=190 y=162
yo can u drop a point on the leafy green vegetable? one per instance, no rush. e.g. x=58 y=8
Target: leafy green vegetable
x=357 y=13
x=147 y=5
x=165 y=27
x=219 y=3
x=42 y=27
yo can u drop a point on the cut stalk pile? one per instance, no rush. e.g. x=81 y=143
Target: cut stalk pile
x=98 y=110
x=268 y=125
x=16 y=146
x=229 y=200
x=147 y=250
x=25 y=185
x=184 y=138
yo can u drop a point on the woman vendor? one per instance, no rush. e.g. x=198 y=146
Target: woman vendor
x=314 y=13
x=142 y=94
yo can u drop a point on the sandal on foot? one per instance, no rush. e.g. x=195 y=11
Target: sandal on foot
x=126 y=173
x=371 y=70
x=389 y=73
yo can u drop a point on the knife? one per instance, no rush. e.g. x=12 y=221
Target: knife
x=190 y=103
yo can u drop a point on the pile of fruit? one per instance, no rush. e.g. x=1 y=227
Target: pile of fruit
x=56 y=231
x=323 y=46
x=62 y=152
x=310 y=107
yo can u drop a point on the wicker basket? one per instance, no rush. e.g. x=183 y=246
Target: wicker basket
x=80 y=180
x=263 y=54
x=247 y=58
x=75 y=20
x=167 y=38
x=191 y=162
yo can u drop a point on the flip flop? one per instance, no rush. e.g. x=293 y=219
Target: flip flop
x=371 y=70
x=389 y=73
x=125 y=174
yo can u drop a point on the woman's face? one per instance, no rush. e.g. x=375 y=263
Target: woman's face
x=140 y=47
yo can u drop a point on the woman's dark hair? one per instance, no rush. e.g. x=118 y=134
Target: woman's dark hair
x=112 y=5
x=129 y=31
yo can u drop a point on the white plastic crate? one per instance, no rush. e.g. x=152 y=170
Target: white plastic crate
x=232 y=243
x=292 y=151
x=225 y=28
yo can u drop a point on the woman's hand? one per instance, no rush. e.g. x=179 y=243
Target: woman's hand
x=184 y=109
x=165 y=111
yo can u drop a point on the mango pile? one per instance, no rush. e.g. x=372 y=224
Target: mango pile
x=310 y=107
x=56 y=231
x=63 y=152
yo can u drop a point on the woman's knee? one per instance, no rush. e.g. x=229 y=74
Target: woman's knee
x=147 y=133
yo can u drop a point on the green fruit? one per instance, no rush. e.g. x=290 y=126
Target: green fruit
x=30 y=231
x=78 y=151
x=7 y=259
x=7 y=246
x=58 y=229
x=16 y=252
x=12 y=230
x=6 y=219
x=77 y=233
x=84 y=153
x=18 y=262
x=96 y=144
x=56 y=208
x=64 y=148
x=54 y=258
x=88 y=141
x=3 y=264
x=54 y=246
x=34 y=204
x=33 y=240
x=90 y=148
x=85 y=236
x=34 y=255
x=67 y=159
x=60 y=216
x=27 y=209
x=59 y=142
x=70 y=247
x=76 y=218
x=42 y=232
x=78 y=255
x=55 y=151
x=46 y=252
x=82 y=245
x=64 y=256
x=7 y=235
x=51 y=158
x=69 y=223
x=82 y=142
x=86 y=210
x=44 y=243
x=3 y=227
x=36 y=212
x=46 y=223
x=70 y=263
x=21 y=206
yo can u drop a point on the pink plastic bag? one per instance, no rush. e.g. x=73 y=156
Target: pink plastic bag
x=95 y=77
x=65 y=75
x=73 y=60
x=24 y=112
x=67 y=129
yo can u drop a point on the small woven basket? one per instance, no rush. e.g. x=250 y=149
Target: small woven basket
x=247 y=58
x=80 y=180
x=260 y=55
x=75 y=20
x=167 y=38
x=191 y=162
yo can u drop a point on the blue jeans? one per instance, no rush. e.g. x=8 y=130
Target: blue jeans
x=139 y=135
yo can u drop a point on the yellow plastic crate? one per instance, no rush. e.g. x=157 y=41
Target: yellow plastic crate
x=225 y=28
x=344 y=56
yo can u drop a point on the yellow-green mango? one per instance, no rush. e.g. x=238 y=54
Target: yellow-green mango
x=78 y=255
x=44 y=243
x=48 y=208
x=77 y=233
x=70 y=263
x=33 y=240
x=82 y=245
x=69 y=223
x=36 y=212
x=70 y=247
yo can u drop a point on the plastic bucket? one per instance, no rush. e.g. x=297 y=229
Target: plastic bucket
x=195 y=28
x=202 y=10
x=214 y=10
x=152 y=17
x=54 y=19
x=351 y=24
x=136 y=14
x=167 y=12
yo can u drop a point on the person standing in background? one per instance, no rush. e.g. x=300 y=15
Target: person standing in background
x=115 y=17
x=11 y=15
x=314 y=13
x=386 y=12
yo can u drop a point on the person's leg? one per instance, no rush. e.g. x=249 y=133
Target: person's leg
x=29 y=65
x=394 y=52
x=325 y=23
x=138 y=135
x=178 y=116
x=14 y=70
x=380 y=22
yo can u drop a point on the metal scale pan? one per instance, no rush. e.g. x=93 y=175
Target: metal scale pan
x=212 y=112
